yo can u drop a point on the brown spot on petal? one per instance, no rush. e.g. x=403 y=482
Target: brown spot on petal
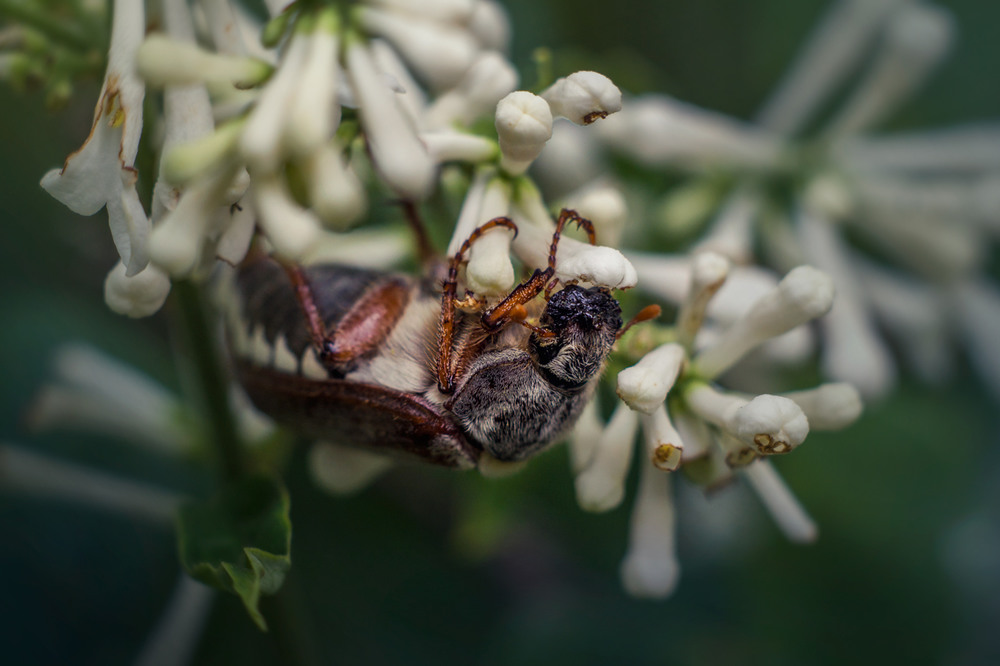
x=666 y=457
x=767 y=445
x=594 y=116
x=741 y=458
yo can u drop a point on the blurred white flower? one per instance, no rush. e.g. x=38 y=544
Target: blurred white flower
x=926 y=201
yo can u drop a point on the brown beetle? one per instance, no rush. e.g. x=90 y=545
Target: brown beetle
x=388 y=362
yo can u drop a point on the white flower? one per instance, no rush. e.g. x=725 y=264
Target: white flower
x=489 y=271
x=650 y=568
x=163 y=61
x=398 y=154
x=601 y=485
x=575 y=260
x=780 y=502
x=438 y=51
x=524 y=124
x=344 y=470
x=804 y=294
x=658 y=130
x=604 y=205
x=583 y=97
x=139 y=295
x=828 y=406
x=101 y=173
x=645 y=385
x=487 y=80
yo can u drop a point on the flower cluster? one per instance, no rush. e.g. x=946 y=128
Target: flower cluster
x=289 y=140
x=687 y=420
x=297 y=140
x=901 y=222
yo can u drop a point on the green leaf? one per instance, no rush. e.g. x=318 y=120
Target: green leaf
x=239 y=541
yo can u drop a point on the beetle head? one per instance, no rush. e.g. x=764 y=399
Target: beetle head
x=584 y=323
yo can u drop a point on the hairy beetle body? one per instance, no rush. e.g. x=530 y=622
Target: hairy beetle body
x=372 y=359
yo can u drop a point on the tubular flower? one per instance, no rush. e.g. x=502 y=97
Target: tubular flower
x=917 y=197
x=691 y=424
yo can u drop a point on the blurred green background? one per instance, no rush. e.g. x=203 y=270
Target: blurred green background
x=401 y=574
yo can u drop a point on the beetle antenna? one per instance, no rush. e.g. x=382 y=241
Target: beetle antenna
x=645 y=314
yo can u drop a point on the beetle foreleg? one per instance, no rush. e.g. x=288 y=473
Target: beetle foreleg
x=446 y=329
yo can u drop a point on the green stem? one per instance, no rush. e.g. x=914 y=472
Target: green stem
x=45 y=23
x=198 y=339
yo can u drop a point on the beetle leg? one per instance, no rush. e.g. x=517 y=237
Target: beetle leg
x=304 y=296
x=565 y=217
x=362 y=328
x=446 y=327
x=424 y=248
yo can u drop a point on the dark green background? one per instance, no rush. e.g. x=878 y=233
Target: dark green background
x=378 y=578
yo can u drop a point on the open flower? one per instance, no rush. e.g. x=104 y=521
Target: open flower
x=692 y=424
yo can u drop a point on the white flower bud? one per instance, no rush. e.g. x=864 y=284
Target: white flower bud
x=343 y=470
x=769 y=423
x=583 y=97
x=397 y=152
x=524 y=124
x=645 y=385
x=490 y=25
x=75 y=485
x=314 y=114
x=449 y=146
x=161 y=61
x=650 y=568
x=963 y=148
x=585 y=436
x=140 y=295
x=438 y=52
x=291 y=229
x=660 y=131
x=446 y=11
x=804 y=294
x=469 y=217
x=575 y=260
x=380 y=250
x=234 y=242
x=977 y=306
x=184 y=162
x=916 y=40
x=336 y=194
x=571 y=159
x=601 y=486
x=664 y=445
x=262 y=137
x=780 y=502
x=176 y=242
x=829 y=406
x=410 y=95
x=708 y=273
x=604 y=205
x=854 y=352
x=489 y=271
x=731 y=231
x=489 y=78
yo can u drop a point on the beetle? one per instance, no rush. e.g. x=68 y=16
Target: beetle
x=399 y=365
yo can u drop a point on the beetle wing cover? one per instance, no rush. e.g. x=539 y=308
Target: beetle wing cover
x=372 y=417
